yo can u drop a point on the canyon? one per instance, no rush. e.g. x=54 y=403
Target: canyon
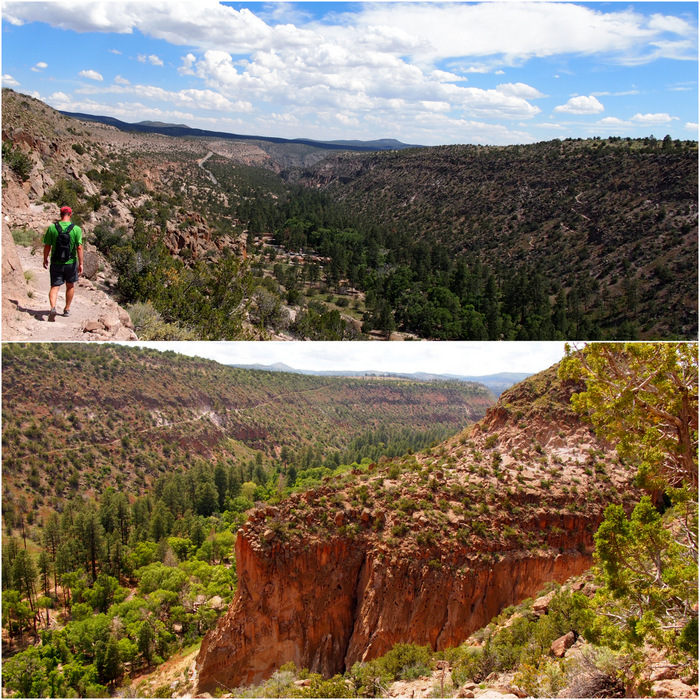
x=556 y=240
x=423 y=549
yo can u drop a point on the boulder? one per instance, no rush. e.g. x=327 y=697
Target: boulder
x=662 y=673
x=91 y=263
x=673 y=688
x=541 y=605
x=560 y=646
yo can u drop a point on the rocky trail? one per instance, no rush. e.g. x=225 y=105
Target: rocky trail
x=94 y=315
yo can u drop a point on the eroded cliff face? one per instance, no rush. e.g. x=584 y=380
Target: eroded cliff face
x=291 y=606
x=329 y=605
x=426 y=549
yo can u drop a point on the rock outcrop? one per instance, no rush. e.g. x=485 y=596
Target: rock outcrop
x=338 y=602
x=426 y=549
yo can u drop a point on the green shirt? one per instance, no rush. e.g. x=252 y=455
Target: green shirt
x=76 y=239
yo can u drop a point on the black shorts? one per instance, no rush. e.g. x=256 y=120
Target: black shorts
x=63 y=273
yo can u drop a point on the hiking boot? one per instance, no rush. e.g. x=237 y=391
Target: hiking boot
x=66 y=312
x=52 y=314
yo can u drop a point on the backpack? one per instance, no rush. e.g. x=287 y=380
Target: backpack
x=63 y=250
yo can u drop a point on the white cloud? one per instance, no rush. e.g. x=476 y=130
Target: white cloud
x=442 y=76
x=152 y=59
x=519 y=31
x=691 y=126
x=581 y=105
x=615 y=94
x=332 y=76
x=204 y=24
x=519 y=90
x=9 y=81
x=653 y=119
x=550 y=125
x=126 y=111
x=40 y=66
x=91 y=75
x=187 y=63
x=116 y=52
x=346 y=120
x=436 y=106
x=614 y=122
x=426 y=31
x=201 y=99
x=667 y=23
x=366 y=65
x=638 y=120
x=61 y=97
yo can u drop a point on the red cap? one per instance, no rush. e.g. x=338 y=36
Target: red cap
x=66 y=210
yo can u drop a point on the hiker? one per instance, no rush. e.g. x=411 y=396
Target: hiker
x=64 y=241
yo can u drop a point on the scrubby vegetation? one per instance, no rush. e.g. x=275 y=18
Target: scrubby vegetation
x=134 y=414
x=526 y=241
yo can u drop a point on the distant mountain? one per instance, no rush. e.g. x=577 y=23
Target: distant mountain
x=497 y=383
x=377 y=144
x=150 y=123
x=152 y=127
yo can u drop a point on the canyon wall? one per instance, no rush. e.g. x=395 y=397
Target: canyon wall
x=327 y=605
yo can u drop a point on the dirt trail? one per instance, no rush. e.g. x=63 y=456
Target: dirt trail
x=94 y=316
x=201 y=163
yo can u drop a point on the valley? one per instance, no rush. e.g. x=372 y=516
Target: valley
x=572 y=239
x=178 y=527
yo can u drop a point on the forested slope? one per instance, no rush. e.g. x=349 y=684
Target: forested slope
x=606 y=230
x=77 y=418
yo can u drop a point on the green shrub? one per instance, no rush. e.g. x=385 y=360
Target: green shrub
x=20 y=163
x=65 y=192
x=403 y=662
x=149 y=324
x=491 y=441
x=26 y=237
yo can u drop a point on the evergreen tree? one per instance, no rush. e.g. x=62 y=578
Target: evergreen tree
x=643 y=397
x=89 y=533
x=221 y=483
x=24 y=575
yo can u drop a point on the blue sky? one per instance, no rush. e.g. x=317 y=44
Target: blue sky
x=422 y=72
x=461 y=358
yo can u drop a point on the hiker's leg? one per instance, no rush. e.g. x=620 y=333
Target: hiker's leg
x=53 y=296
x=70 y=290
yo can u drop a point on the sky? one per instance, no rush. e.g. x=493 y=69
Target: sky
x=425 y=73
x=461 y=358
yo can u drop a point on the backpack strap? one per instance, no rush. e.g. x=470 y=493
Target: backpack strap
x=59 y=230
